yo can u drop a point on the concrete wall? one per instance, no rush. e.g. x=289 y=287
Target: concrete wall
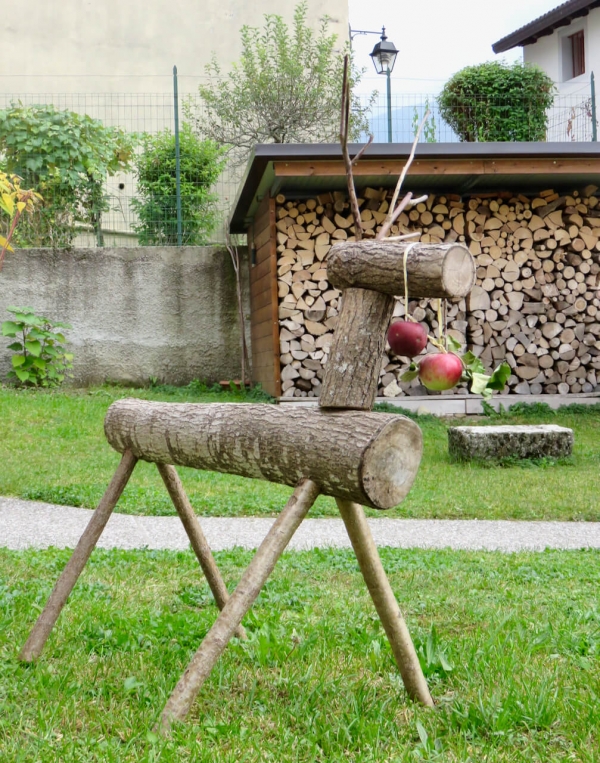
x=136 y=313
x=130 y=47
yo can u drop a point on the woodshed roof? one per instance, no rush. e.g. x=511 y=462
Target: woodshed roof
x=303 y=170
x=561 y=16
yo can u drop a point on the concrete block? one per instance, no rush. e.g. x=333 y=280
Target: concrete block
x=496 y=442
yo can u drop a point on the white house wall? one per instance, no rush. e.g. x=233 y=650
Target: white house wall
x=130 y=46
x=569 y=118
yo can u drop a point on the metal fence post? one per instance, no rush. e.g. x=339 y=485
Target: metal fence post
x=594 y=116
x=177 y=158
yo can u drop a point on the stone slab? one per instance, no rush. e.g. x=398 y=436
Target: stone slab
x=522 y=441
x=465 y=405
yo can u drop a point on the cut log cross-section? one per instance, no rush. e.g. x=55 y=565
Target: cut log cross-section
x=370 y=273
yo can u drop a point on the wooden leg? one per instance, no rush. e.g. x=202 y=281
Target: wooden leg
x=70 y=574
x=241 y=600
x=197 y=538
x=385 y=601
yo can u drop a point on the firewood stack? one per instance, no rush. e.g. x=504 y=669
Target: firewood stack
x=536 y=303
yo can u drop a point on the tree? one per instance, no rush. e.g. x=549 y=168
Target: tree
x=285 y=89
x=66 y=156
x=498 y=102
x=201 y=163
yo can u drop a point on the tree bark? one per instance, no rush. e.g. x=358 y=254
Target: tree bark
x=385 y=602
x=66 y=582
x=241 y=600
x=434 y=270
x=197 y=538
x=370 y=458
x=351 y=374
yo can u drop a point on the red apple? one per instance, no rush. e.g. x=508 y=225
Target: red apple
x=406 y=338
x=440 y=371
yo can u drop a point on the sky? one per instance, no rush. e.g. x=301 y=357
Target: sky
x=437 y=38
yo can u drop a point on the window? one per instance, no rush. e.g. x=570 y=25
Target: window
x=577 y=53
x=573 y=55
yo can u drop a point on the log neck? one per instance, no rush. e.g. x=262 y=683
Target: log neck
x=352 y=370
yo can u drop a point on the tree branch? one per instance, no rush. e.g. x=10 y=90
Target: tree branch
x=392 y=215
x=344 y=124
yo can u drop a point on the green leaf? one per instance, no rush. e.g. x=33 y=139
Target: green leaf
x=131 y=683
x=479 y=383
x=409 y=375
x=9 y=328
x=33 y=347
x=16 y=347
x=423 y=735
x=17 y=360
x=22 y=375
x=499 y=378
x=472 y=363
x=453 y=344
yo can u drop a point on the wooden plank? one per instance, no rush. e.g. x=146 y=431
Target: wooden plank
x=264 y=329
x=365 y=167
x=260 y=239
x=257 y=287
x=265 y=313
x=261 y=269
x=540 y=166
x=262 y=299
x=264 y=358
x=526 y=166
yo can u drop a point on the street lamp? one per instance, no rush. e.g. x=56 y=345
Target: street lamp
x=384 y=57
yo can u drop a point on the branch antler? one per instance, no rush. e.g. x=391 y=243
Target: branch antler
x=394 y=212
x=349 y=163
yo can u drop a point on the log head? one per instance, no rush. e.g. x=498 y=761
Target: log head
x=434 y=270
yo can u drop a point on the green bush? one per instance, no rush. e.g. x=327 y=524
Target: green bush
x=201 y=163
x=66 y=156
x=39 y=358
x=498 y=102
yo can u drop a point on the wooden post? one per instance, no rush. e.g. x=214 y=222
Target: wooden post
x=385 y=602
x=64 y=585
x=197 y=538
x=241 y=600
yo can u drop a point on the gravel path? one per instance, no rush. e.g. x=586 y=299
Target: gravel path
x=28 y=524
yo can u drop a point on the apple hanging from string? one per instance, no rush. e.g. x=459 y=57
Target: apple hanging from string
x=407 y=338
x=440 y=371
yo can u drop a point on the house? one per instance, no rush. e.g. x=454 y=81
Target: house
x=565 y=43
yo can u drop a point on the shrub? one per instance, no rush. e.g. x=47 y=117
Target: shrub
x=498 y=102
x=67 y=157
x=201 y=163
x=40 y=359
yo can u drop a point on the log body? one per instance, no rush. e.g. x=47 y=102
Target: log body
x=351 y=374
x=434 y=270
x=370 y=458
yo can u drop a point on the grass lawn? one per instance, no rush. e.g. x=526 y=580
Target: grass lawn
x=52 y=448
x=509 y=643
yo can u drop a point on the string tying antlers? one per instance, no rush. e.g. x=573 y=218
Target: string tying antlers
x=394 y=211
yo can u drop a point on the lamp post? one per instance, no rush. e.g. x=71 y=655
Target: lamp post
x=384 y=57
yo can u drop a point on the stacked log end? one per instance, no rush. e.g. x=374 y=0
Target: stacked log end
x=536 y=302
